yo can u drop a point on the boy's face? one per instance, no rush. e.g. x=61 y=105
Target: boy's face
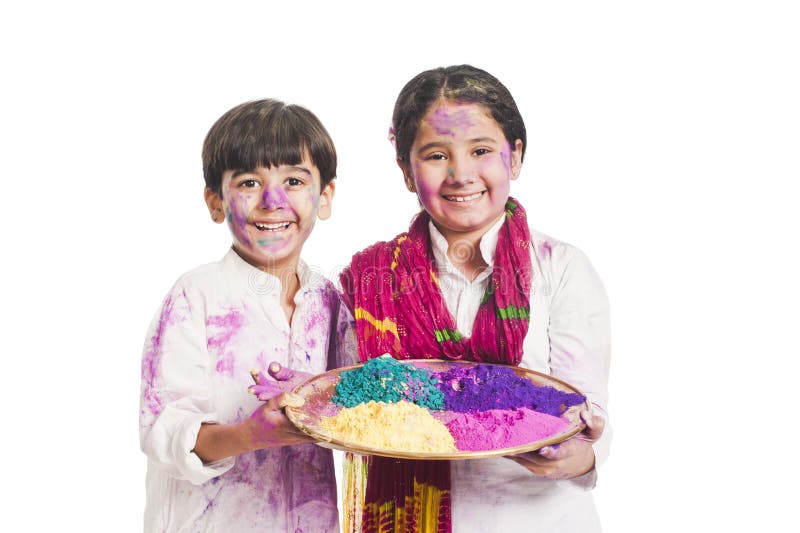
x=271 y=211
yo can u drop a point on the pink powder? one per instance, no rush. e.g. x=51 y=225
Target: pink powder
x=497 y=428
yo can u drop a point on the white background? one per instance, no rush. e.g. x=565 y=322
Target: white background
x=662 y=140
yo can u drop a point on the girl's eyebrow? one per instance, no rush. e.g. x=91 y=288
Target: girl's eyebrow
x=436 y=144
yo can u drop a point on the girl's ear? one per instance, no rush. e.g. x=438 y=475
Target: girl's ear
x=214 y=203
x=326 y=201
x=516 y=159
x=408 y=176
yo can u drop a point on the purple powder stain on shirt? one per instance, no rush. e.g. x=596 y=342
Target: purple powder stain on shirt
x=226 y=326
x=545 y=249
x=445 y=122
x=152 y=356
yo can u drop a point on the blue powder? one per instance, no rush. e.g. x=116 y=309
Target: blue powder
x=385 y=379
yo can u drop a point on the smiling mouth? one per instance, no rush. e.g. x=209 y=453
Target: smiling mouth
x=461 y=198
x=277 y=226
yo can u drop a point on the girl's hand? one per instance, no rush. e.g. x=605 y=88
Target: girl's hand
x=571 y=458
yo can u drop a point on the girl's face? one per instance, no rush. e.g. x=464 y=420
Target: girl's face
x=461 y=166
x=271 y=210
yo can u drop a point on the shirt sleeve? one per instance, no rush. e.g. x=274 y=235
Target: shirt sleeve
x=175 y=389
x=579 y=331
x=343 y=343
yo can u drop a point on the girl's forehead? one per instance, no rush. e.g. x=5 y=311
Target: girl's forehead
x=447 y=117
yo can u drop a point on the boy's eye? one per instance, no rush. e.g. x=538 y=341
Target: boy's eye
x=294 y=182
x=438 y=156
x=248 y=183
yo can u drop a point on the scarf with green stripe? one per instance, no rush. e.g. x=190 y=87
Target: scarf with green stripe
x=394 y=294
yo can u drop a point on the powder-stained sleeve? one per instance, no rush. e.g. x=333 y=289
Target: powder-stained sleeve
x=343 y=341
x=175 y=388
x=579 y=331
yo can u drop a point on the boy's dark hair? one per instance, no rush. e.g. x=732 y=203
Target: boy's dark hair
x=459 y=83
x=266 y=133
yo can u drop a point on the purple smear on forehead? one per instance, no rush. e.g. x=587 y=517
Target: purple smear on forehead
x=445 y=122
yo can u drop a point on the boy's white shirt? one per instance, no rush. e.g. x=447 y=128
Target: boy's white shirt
x=569 y=338
x=217 y=323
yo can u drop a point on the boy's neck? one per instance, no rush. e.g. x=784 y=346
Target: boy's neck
x=287 y=273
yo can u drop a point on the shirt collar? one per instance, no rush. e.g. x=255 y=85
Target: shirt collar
x=263 y=283
x=487 y=245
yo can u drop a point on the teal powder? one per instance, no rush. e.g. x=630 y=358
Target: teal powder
x=387 y=380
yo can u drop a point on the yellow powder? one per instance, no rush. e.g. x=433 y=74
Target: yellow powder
x=401 y=426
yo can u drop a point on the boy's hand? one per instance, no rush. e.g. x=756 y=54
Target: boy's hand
x=284 y=380
x=268 y=424
x=571 y=458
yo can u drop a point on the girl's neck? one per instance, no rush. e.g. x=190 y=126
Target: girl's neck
x=464 y=251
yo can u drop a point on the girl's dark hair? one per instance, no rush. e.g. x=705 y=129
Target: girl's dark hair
x=458 y=83
x=266 y=133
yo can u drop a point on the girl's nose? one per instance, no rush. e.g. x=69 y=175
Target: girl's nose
x=460 y=171
x=273 y=198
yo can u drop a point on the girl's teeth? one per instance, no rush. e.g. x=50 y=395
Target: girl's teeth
x=465 y=198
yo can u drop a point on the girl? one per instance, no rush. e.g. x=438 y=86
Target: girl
x=470 y=280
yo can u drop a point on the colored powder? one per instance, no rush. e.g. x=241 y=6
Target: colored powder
x=485 y=387
x=384 y=379
x=496 y=429
x=400 y=426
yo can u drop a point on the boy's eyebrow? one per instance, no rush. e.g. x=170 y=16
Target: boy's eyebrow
x=304 y=170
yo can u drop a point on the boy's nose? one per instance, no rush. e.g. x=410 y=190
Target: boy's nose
x=273 y=199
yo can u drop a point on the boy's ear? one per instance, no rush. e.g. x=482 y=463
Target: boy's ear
x=408 y=176
x=214 y=203
x=516 y=159
x=325 y=201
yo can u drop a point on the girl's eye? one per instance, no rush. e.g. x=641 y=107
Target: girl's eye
x=482 y=151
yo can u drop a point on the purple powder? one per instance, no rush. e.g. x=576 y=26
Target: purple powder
x=496 y=429
x=485 y=387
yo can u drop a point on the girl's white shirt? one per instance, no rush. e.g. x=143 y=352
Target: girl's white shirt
x=569 y=338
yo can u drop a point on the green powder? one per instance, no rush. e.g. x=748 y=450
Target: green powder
x=387 y=380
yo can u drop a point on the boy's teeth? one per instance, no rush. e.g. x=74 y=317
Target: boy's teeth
x=279 y=225
x=465 y=198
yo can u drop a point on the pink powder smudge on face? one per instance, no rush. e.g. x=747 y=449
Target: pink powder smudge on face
x=444 y=123
x=274 y=198
x=227 y=326
x=505 y=157
x=497 y=429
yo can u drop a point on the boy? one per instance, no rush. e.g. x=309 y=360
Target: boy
x=217 y=459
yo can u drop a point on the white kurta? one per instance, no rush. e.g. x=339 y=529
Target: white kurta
x=568 y=338
x=217 y=323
